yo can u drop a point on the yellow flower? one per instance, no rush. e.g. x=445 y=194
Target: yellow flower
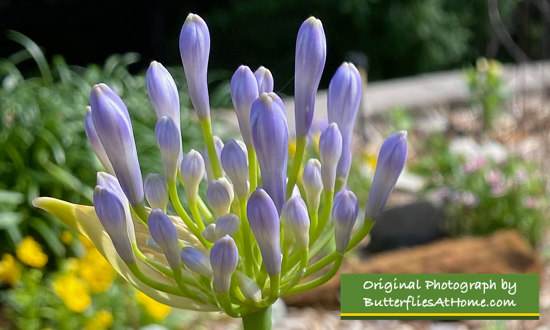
x=154 y=308
x=10 y=270
x=102 y=320
x=73 y=292
x=30 y=253
x=66 y=237
x=96 y=271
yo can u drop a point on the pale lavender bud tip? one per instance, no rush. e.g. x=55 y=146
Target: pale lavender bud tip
x=192 y=172
x=219 y=196
x=270 y=137
x=194 y=45
x=95 y=142
x=311 y=52
x=196 y=261
x=330 y=150
x=344 y=215
x=227 y=225
x=165 y=235
x=264 y=80
x=264 y=222
x=312 y=182
x=209 y=233
x=244 y=91
x=234 y=163
x=112 y=123
x=156 y=191
x=163 y=92
x=169 y=141
x=224 y=258
x=390 y=164
x=111 y=213
x=295 y=219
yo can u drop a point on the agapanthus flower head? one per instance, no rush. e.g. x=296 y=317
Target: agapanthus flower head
x=264 y=79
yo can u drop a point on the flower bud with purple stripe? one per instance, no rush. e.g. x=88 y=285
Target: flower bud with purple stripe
x=163 y=92
x=218 y=144
x=390 y=164
x=192 y=172
x=227 y=225
x=111 y=213
x=165 y=235
x=264 y=80
x=219 y=196
x=224 y=258
x=112 y=123
x=330 y=150
x=311 y=52
x=295 y=220
x=209 y=233
x=235 y=166
x=196 y=261
x=156 y=191
x=264 y=222
x=313 y=183
x=95 y=142
x=194 y=45
x=344 y=214
x=270 y=137
x=169 y=141
x=244 y=90
x=344 y=97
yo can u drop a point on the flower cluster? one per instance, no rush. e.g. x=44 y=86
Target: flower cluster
x=253 y=236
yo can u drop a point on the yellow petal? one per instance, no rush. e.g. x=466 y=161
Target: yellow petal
x=83 y=219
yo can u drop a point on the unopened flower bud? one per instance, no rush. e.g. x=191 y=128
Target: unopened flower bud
x=163 y=92
x=235 y=165
x=95 y=142
x=295 y=220
x=264 y=79
x=111 y=214
x=192 y=172
x=112 y=123
x=311 y=52
x=164 y=233
x=194 y=45
x=196 y=261
x=156 y=191
x=313 y=183
x=224 y=258
x=264 y=222
x=249 y=287
x=390 y=164
x=150 y=243
x=209 y=233
x=109 y=182
x=219 y=196
x=227 y=225
x=244 y=91
x=344 y=214
x=270 y=137
x=330 y=150
x=169 y=142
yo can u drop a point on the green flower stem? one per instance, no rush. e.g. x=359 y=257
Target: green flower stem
x=320 y=280
x=259 y=320
x=206 y=126
x=204 y=209
x=313 y=220
x=141 y=213
x=252 y=168
x=274 y=283
x=286 y=255
x=184 y=216
x=327 y=208
x=158 y=266
x=340 y=181
x=181 y=284
x=193 y=205
x=304 y=259
x=261 y=277
x=226 y=304
x=154 y=284
x=251 y=263
x=236 y=292
x=296 y=164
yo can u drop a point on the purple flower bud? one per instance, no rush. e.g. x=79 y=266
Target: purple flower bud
x=264 y=222
x=156 y=191
x=219 y=196
x=227 y=225
x=196 y=261
x=249 y=288
x=313 y=183
x=344 y=214
x=235 y=165
x=344 y=97
x=165 y=235
x=264 y=80
x=110 y=211
x=169 y=142
x=106 y=180
x=150 y=243
x=224 y=258
x=295 y=220
x=194 y=50
x=218 y=144
x=112 y=123
x=209 y=233
x=270 y=137
x=244 y=91
x=330 y=150
x=192 y=172
x=390 y=164
x=163 y=92
x=311 y=53
x=95 y=143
